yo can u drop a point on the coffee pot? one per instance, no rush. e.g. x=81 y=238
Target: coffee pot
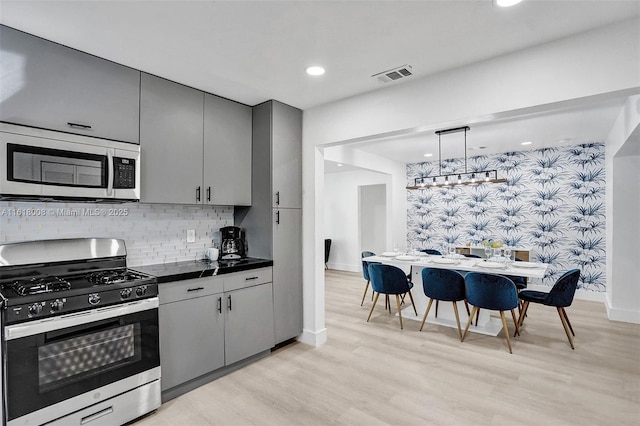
x=233 y=243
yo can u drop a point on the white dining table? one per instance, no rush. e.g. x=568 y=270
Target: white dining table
x=413 y=264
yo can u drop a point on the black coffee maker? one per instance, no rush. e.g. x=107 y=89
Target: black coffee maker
x=234 y=244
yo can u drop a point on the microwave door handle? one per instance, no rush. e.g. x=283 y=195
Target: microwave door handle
x=110 y=173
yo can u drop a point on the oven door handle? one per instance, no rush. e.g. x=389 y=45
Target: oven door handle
x=32 y=328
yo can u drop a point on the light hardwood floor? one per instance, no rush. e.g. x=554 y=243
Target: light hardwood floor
x=374 y=373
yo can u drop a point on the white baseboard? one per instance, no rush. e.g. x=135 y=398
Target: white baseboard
x=312 y=338
x=622 y=315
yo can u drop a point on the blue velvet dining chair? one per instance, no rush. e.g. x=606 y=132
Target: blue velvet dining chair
x=365 y=272
x=560 y=296
x=443 y=284
x=389 y=280
x=493 y=292
x=431 y=252
x=474 y=256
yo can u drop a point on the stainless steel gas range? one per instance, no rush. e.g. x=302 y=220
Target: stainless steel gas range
x=80 y=338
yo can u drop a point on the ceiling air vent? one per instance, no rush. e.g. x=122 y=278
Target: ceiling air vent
x=394 y=74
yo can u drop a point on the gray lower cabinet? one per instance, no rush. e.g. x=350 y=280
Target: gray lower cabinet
x=191 y=330
x=47 y=85
x=209 y=323
x=287 y=273
x=248 y=322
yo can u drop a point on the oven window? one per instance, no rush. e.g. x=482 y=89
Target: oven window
x=77 y=358
x=56 y=167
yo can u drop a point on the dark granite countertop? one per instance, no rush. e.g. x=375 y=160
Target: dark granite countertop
x=177 y=271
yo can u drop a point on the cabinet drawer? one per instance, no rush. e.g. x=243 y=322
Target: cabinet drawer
x=247 y=279
x=189 y=289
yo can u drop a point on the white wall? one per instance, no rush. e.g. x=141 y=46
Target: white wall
x=341 y=218
x=623 y=213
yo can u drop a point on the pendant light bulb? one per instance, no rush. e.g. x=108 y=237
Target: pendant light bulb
x=486 y=177
x=459 y=179
x=446 y=180
x=473 y=178
x=434 y=182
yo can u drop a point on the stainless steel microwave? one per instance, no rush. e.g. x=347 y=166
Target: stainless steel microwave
x=45 y=165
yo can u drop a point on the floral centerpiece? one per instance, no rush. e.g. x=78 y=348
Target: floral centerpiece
x=493 y=243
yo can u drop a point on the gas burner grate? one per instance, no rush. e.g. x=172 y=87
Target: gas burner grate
x=112 y=276
x=40 y=285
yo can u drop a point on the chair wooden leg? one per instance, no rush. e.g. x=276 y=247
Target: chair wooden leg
x=525 y=306
x=399 y=311
x=375 y=300
x=455 y=310
x=413 y=304
x=515 y=322
x=466 y=305
x=387 y=305
x=566 y=318
x=466 y=329
x=477 y=316
x=506 y=330
x=566 y=329
x=424 y=318
x=365 y=293
x=437 y=302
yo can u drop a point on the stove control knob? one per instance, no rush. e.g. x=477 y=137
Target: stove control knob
x=125 y=293
x=35 y=309
x=57 y=305
x=94 y=298
x=141 y=291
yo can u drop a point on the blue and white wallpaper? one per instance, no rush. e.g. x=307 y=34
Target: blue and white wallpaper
x=553 y=202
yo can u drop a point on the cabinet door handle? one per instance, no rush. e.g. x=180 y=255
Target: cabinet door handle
x=79 y=126
x=219 y=304
x=198 y=194
x=277 y=198
x=250 y=278
x=208 y=193
x=278 y=217
x=229 y=302
x=195 y=289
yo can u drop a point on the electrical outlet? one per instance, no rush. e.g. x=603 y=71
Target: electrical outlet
x=191 y=235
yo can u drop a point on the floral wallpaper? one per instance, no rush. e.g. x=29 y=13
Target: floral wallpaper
x=553 y=202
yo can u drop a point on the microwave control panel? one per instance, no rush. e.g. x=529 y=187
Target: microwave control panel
x=125 y=173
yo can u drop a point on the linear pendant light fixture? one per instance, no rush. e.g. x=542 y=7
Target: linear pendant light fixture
x=455 y=179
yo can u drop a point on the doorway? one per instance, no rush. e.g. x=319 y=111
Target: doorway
x=372 y=217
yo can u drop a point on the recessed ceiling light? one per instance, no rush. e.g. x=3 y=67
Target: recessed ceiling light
x=315 y=70
x=339 y=165
x=526 y=143
x=428 y=155
x=507 y=3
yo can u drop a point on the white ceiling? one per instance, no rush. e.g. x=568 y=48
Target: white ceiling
x=252 y=51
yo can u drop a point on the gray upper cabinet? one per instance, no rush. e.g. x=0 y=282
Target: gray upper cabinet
x=47 y=85
x=286 y=156
x=227 y=152
x=171 y=135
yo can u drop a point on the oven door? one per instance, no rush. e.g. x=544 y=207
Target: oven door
x=56 y=366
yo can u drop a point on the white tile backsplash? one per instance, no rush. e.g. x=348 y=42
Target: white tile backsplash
x=153 y=233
